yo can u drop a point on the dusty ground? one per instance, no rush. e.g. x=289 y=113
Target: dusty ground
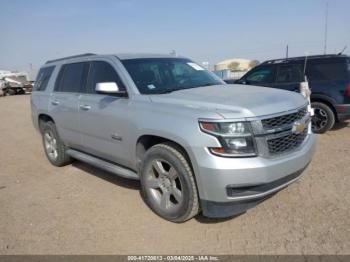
x=81 y=210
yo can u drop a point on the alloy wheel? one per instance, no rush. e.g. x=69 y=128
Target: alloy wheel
x=50 y=145
x=164 y=186
x=319 y=120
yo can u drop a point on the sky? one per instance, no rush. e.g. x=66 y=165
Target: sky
x=34 y=31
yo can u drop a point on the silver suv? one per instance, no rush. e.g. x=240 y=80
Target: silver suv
x=194 y=142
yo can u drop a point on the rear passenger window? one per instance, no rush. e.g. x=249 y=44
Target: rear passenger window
x=327 y=71
x=101 y=72
x=43 y=78
x=289 y=73
x=72 y=78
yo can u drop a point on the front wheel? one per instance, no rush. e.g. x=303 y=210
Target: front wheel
x=323 y=119
x=167 y=183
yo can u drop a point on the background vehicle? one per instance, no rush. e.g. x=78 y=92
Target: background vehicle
x=329 y=81
x=14 y=83
x=194 y=143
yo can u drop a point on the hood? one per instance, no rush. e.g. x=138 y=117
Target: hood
x=234 y=101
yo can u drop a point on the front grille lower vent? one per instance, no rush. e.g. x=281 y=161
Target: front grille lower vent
x=286 y=143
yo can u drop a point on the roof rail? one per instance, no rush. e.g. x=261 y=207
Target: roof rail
x=68 y=57
x=283 y=60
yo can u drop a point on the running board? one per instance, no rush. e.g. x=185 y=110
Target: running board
x=107 y=166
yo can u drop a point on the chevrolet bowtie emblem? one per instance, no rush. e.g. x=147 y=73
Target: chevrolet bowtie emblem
x=298 y=127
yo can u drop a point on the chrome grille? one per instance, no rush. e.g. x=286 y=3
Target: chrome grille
x=286 y=143
x=278 y=121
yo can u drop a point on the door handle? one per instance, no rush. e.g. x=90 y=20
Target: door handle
x=55 y=102
x=85 y=107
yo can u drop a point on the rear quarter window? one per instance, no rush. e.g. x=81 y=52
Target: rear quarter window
x=43 y=78
x=328 y=71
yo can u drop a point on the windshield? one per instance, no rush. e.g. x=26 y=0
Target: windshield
x=165 y=75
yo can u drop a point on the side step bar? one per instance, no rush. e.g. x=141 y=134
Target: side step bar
x=107 y=166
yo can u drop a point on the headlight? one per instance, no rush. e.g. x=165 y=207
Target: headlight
x=235 y=138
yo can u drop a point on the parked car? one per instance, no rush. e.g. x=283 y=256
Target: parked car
x=329 y=81
x=194 y=143
x=230 y=81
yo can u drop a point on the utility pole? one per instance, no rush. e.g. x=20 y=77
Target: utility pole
x=326 y=29
x=287 y=51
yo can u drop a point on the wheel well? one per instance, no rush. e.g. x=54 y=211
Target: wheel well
x=147 y=141
x=320 y=100
x=43 y=119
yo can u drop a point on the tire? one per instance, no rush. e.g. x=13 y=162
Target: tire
x=21 y=92
x=324 y=118
x=54 y=148
x=167 y=183
x=10 y=92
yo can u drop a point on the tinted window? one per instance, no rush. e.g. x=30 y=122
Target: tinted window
x=101 y=72
x=289 y=73
x=162 y=75
x=261 y=75
x=327 y=71
x=71 y=78
x=43 y=78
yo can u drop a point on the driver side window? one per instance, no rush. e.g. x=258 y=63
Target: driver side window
x=261 y=75
x=101 y=72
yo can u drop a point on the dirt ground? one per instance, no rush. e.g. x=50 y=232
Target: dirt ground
x=79 y=209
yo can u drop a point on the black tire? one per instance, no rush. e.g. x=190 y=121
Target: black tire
x=61 y=158
x=172 y=157
x=324 y=118
x=10 y=92
x=21 y=92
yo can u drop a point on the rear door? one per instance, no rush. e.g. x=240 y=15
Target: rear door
x=104 y=118
x=288 y=77
x=64 y=102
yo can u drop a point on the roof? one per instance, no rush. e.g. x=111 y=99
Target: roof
x=126 y=56
x=290 y=59
x=123 y=56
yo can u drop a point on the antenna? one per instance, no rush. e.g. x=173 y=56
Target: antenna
x=341 y=52
x=326 y=29
x=305 y=78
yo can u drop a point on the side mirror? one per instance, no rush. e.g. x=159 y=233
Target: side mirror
x=109 y=88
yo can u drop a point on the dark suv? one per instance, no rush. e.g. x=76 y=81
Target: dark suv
x=329 y=81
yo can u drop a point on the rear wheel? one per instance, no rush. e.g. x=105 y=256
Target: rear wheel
x=167 y=183
x=323 y=119
x=54 y=148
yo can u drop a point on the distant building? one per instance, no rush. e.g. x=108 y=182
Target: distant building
x=234 y=68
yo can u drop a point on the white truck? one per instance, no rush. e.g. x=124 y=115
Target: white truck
x=14 y=83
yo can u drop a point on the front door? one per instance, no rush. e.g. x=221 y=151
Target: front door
x=259 y=76
x=104 y=118
x=289 y=77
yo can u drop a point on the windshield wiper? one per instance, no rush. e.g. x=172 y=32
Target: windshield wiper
x=202 y=85
x=168 y=90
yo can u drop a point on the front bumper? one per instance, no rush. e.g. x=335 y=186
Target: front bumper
x=247 y=197
x=229 y=186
